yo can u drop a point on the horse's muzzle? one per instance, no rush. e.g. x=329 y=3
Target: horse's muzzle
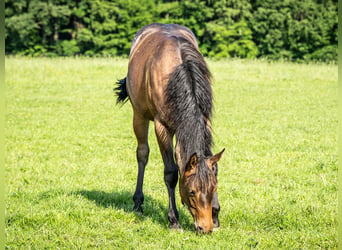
x=203 y=230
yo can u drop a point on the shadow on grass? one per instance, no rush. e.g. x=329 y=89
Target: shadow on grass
x=153 y=209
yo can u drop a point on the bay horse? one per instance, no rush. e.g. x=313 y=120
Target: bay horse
x=168 y=82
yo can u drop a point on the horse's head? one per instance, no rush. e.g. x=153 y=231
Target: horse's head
x=197 y=187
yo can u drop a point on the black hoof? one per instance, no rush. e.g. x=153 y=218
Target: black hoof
x=138 y=208
x=175 y=226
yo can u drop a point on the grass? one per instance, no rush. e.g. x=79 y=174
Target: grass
x=71 y=167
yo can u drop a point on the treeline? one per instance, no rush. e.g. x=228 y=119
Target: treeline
x=287 y=29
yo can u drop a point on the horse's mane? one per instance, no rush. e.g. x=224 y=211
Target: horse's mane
x=189 y=100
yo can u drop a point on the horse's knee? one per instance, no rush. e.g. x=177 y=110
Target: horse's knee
x=142 y=153
x=216 y=209
x=216 y=204
x=171 y=176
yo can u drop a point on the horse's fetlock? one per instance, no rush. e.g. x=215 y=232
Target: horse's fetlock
x=138 y=198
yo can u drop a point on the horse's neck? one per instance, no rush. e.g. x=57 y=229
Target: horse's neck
x=187 y=145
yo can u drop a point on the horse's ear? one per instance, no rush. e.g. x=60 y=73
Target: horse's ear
x=214 y=159
x=192 y=164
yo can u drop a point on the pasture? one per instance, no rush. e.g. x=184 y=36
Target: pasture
x=71 y=165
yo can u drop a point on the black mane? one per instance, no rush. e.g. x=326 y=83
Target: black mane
x=189 y=99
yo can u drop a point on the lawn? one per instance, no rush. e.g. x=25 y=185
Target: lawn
x=71 y=168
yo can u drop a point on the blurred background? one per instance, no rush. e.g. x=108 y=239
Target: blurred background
x=288 y=29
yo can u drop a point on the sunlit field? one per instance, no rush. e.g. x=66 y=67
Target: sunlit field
x=71 y=168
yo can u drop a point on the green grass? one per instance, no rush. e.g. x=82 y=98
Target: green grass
x=71 y=167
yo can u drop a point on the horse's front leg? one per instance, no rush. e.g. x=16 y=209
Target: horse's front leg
x=216 y=204
x=170 y=170
x=216 y=210
x=140 y=126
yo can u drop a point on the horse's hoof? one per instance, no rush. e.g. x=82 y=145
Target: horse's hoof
x=138 y=209
x=176 y=226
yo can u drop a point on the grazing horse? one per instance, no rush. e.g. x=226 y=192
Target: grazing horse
x=168 y=82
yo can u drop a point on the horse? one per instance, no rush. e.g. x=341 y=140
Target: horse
x=168 y=82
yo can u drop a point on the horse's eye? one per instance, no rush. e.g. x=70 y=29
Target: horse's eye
x=192 y=192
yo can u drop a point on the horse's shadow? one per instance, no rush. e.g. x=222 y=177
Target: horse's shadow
x=153 y=209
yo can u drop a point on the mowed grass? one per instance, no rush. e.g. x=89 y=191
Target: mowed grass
x=71 y=168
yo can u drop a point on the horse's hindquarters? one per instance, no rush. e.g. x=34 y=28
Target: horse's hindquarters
x=149 y=73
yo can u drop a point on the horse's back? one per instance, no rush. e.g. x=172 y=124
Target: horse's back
x=154 y=55
x=163 y=29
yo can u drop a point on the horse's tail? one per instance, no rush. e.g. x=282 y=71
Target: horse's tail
x=121 y=91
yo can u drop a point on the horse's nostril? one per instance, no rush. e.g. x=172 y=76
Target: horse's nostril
x=200 y=229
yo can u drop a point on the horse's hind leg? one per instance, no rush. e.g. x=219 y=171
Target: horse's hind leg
x=140 y=126
x=170 y=170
